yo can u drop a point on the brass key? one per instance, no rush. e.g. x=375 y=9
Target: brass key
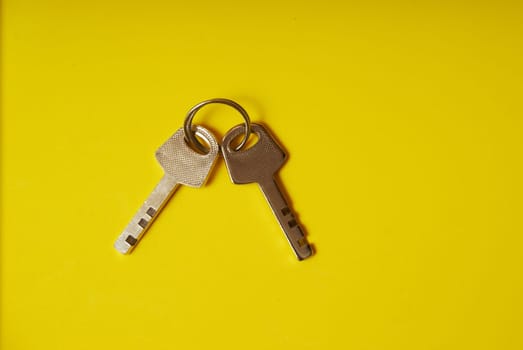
x=260 y=163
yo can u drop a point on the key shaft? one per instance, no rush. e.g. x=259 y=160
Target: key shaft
x=144 y=217
x=286 y=218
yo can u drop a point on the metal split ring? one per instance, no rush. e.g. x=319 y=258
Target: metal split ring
x=190 y=136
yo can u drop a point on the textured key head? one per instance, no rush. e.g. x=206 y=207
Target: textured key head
x=184 y=164
x=257 y=163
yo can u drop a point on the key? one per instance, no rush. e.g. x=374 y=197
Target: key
x=181 y=165
x=260 y=164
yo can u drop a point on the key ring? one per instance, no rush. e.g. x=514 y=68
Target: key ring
x=189 y=132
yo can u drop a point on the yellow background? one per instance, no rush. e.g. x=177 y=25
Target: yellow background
x=404 y=126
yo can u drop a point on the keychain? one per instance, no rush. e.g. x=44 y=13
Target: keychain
x=185 y=160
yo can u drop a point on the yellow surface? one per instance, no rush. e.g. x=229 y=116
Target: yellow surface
x=404 y=127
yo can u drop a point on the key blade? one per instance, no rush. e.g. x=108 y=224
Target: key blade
x=183 y=163
x=146 y=214
x=286 y=218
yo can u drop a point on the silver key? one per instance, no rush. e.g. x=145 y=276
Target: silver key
x=182 y=165
x=260 y=164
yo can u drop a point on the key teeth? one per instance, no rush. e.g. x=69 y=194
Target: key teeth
x=302 y=246
x=122 y=246
x=309 y=253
